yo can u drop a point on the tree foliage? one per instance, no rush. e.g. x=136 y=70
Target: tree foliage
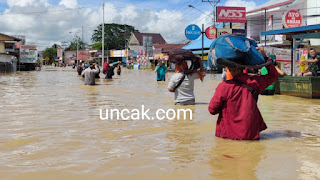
x=73 y=44
x=51 y=52
x=115 y=35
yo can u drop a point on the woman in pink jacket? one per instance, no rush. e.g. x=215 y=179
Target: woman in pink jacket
x=239 y=116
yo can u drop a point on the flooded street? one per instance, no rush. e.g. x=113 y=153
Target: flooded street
x=51 y=129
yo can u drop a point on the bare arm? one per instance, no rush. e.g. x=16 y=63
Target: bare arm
x=172 y=84
x=96 y=71
x=315 y=60
x=281 y=73
x=201 y=65
x=82 y=73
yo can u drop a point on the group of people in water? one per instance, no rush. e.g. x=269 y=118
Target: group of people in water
x=91 y=71
x=234 y=100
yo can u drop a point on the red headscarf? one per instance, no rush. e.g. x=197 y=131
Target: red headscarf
x=105 y=67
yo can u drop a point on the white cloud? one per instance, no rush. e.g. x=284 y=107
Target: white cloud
x=69 y=3
x=45 y=24
x=24 y=3
x=250 y=5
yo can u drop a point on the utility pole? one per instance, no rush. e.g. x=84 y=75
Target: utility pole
x=82 y=34
x=103 y=34
x=77 y=49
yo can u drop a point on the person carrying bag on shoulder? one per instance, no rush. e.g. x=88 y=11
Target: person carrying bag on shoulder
x=182 y=82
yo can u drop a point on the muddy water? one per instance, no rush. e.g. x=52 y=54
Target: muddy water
x=50 y=129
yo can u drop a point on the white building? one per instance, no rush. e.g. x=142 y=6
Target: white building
x=268 y=16
x=8 y=55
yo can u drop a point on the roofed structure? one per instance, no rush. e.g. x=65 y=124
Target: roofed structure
x=137 y=38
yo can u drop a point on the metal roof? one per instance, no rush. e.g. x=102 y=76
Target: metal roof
x=294 y=31
x=156 y=38
x=197 y=44
x=11 y=37
x=272 y=4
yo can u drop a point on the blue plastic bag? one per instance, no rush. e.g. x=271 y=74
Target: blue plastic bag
x=233 y=47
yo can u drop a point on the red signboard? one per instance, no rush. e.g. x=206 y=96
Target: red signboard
x=231 y=14
x=292 y=18
x=211 y=32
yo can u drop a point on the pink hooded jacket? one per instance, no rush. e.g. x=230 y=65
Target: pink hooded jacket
x=239 y=116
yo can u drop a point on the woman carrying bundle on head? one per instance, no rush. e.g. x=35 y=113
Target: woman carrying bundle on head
x=182 y=82
x=236 y=100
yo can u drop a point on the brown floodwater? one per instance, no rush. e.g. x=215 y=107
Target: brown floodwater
x=51 y=129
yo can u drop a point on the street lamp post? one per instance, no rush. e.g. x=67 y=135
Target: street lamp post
x=77 y=52
x=102 y=54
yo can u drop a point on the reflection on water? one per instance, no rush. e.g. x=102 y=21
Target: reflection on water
x=50 y=127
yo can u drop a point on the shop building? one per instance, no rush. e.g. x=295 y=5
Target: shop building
x=270 y=16
x=141 y=45
x=8 y=53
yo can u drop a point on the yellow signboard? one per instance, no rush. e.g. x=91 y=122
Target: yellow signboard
x=47 y=58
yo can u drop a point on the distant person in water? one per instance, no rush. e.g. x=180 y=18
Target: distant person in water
x=97 y=76
x=119 y=68
x=89 y=74
x=106 y=64
x=110 y=71
x=80 y=68
x=161 y=71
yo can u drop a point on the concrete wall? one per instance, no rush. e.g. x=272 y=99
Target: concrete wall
x=67 y=55
x=136 y=48
x=8 y=63
x=2 y=47
x=256 y=20
x=311 y=5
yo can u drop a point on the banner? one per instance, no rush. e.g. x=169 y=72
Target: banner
x=231 y=14
x=28 y=53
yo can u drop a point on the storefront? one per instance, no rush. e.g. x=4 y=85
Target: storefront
x=118 y=55
x=271 y=16
x=292 y=85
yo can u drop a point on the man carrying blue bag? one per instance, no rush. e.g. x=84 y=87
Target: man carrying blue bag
x=236 y=100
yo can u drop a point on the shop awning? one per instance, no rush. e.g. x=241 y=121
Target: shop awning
x=200 y=52
x=307 y=35
x=197 y=44
x=294 y=31
x=303 y=32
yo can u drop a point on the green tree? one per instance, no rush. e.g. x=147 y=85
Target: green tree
x=73 y=44
x=97 y=45
x=51 y=52
x=115 y=36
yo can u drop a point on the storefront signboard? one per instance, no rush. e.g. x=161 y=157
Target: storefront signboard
x=231 y=14
x=292 y=18
x=192 y=32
